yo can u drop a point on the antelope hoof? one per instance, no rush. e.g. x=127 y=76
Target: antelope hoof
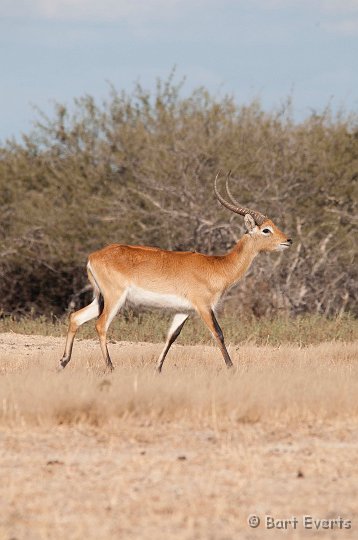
x=62 y=364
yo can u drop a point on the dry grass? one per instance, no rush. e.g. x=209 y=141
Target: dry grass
x=153 y=326
x=267 y=383
x=187 y=454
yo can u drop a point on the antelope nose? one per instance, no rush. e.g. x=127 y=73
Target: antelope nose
x=289 y=241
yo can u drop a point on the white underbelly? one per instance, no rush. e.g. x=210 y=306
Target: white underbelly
x=143 y=297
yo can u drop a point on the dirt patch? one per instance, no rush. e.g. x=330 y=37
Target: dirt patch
x=190 y=454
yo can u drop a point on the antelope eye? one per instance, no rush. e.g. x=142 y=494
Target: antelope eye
x=266 y=231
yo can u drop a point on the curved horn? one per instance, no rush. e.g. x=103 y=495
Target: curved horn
x=242 y=210
x=228 y=190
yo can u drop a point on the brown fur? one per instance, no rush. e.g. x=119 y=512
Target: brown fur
x=198 y=278
x=194 y=276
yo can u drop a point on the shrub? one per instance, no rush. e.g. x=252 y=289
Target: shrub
x=139 y=168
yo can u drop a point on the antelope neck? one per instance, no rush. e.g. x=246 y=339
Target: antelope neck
x=241 y=257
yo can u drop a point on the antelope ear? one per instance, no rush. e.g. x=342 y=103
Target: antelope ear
x=250 y=224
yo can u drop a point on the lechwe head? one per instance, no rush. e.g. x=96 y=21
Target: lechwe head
x=264 y=234
x=185 y=281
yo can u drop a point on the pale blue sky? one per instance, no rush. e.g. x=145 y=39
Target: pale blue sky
x=56 y=50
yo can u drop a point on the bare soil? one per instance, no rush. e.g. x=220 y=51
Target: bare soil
x=189 y=454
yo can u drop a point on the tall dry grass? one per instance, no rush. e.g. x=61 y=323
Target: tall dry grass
x=153 y=326
x=288 y=382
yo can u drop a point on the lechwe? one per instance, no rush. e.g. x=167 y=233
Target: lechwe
x=180 y=280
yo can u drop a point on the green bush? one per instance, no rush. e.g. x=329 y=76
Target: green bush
x=139 y=168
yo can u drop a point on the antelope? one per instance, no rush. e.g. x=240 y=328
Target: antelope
x=182 y=281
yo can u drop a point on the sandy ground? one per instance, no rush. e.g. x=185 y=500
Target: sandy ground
x=169 y=477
